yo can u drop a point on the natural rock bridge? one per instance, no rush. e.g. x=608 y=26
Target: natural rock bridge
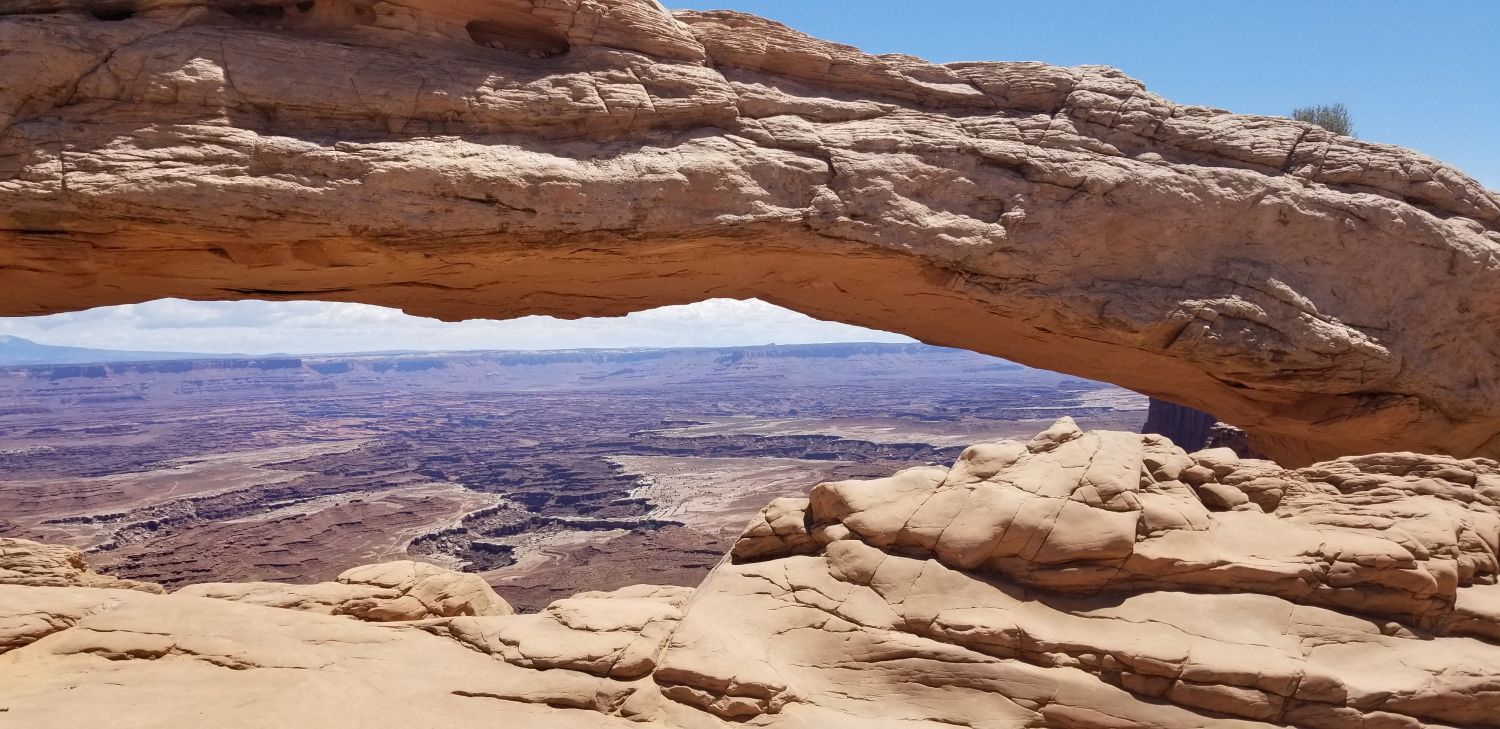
x=500 y=158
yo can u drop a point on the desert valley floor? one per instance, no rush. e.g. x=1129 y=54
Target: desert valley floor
x=548 y=473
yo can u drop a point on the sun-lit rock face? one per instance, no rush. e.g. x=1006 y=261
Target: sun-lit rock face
x=24 y=562
x=1093 y=579
x=1395 y=535
x=594 y=157
x=1081 y=580
x=388 y=592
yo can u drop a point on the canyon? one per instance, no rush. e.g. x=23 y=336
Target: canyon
x=548 y=473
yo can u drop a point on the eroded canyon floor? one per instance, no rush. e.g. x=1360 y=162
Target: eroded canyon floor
x=548 y=473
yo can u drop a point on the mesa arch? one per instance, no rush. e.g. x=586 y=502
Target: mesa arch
x=497 y=158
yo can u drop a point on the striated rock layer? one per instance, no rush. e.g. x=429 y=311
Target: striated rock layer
x=1081 y=580
x=594 y=157
x=389 y=592
x=24 y=562
x=1184 y=426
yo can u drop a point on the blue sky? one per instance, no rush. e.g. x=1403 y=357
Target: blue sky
x=1424 y=75
x=309 y=327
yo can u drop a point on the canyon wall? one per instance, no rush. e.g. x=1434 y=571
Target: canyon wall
x=1179 y=423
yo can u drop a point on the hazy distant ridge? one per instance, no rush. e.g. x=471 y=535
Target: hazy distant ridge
x=18 y=351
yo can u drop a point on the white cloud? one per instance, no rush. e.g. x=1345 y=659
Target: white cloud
x=307 y=327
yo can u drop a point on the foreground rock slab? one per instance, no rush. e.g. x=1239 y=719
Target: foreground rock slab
x=389 y=592
x=184 y=661
x=1359 y=592
x=1081 y=580
x=595 y=157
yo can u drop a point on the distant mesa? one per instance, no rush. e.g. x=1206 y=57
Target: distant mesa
x=20 y=351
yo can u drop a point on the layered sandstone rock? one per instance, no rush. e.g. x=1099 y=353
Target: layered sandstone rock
x=393 y=591
x=1081 y=580
x=594 y=157
x=24 y=562
x=1394 y=535
x=615 y=634
x=139 y=660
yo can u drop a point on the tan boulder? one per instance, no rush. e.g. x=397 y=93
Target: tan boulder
x=170 y=660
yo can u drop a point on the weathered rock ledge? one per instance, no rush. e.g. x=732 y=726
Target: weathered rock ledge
x=390 y=592
x=594 y=157
x=1079 y=580
x=24 y=562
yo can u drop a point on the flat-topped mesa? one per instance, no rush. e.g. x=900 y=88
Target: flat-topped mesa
x=596 y=157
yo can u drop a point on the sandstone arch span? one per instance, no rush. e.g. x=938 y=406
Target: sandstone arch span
x=593 y=157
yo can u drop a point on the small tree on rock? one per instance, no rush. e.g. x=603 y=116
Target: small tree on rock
x=1333 y=117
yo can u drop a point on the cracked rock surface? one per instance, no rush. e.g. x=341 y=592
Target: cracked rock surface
x=387 y=592
x=24 y=562
x=594 y=157
x=1081 y=580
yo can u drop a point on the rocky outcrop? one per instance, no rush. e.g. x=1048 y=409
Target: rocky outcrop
x=1043 y=577
x=1394 y=535
x=393 y=591
x=175 y=660
x=1224 y=435
x=1182 y=425
x=1194 y=429
x=1081 y=580
x=594 y=157
x=24 y=562
x=617 y=634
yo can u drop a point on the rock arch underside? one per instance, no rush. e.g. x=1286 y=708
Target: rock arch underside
x=595 y=157
x=1337 y=299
